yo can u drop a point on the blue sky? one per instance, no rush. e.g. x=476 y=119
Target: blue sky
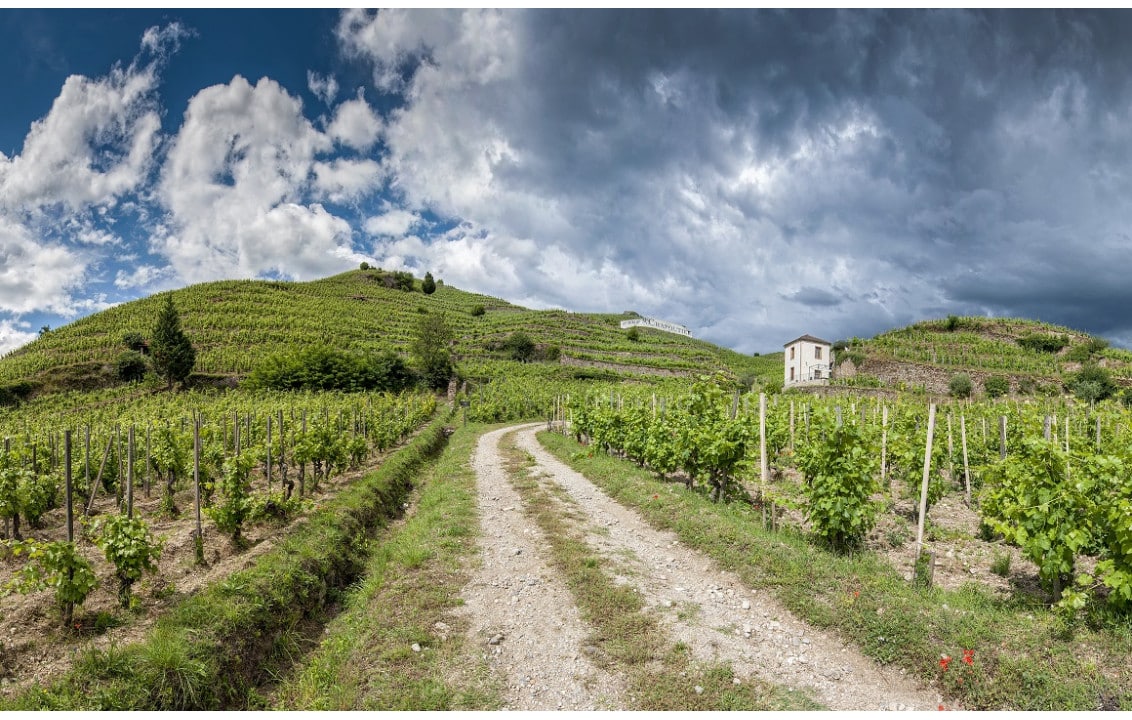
x=752 y=175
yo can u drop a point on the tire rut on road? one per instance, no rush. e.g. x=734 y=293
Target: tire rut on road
x=521 y=613
x=712 y=611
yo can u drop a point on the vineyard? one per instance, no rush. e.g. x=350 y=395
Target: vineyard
x=184 y=549
x=115 y=513
x=225 y=319
x=1050 y=478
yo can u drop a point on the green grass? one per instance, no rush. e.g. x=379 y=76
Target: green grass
x=659 y=674
x=412 y=582
x=1024 y=657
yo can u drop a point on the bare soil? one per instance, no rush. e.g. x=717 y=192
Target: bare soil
x=34 y=647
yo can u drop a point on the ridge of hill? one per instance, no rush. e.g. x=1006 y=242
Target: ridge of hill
x=235 y=323
x=1034 y=356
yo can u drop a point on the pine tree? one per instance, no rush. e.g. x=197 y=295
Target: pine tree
x=173 y=354
x=428 y=286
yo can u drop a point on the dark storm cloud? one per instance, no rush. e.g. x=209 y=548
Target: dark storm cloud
x=723 y=167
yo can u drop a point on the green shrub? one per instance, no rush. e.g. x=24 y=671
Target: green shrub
x=996 y=386
x=324 y=368
x=364 y=266
x=961 y=385
x=130 y=367
x=477 y=310
x=1040 y=342
x=550 y=353
x=1027 y=386
x=1092 y=383
x=519 y=346
x=428 y=285
x=135 y=341
x=634 y=335
x=952 y=323
x=1001 y=564
x=840 y=478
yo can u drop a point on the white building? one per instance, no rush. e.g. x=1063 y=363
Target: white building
x=807 y=361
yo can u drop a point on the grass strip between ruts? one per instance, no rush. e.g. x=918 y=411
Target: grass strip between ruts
x=658 y=674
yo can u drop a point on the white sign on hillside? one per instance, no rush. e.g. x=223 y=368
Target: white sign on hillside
x=657 y=325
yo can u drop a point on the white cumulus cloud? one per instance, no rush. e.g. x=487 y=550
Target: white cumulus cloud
x=237 y=184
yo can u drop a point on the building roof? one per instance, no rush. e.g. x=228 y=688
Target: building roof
x=808 y=338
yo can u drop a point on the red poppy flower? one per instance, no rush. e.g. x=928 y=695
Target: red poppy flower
x=944 y=661
x=969 y=657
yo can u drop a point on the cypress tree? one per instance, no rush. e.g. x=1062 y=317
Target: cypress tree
x=173 y=354
x=428 y=286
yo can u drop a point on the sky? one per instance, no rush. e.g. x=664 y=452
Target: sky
x=753 y=175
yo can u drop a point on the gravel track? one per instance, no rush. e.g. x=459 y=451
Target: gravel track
x=516 y=594
x=521 y=613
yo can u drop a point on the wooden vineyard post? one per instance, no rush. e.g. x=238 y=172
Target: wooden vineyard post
x=884 y=447
x=984 y=432
x=130 y=473
x=86 y=458
x=269 y=450
x=763 y=469
x=924 y=484
x=119 y=490
x=69 y=609
x=950 y=451
x=791 y=426
x=148 y=461
x=98 y=479
x=966 y=465
x=837 y=414
x=1045 y=428
x=1066 y=432
x=1002 y=436
x=1098 y=433
x=198 y=533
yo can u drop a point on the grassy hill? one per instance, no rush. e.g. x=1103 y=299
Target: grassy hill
x=235 y=323
x=1035 y=357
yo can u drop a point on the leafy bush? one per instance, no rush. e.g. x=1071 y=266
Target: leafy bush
x=430 y=349
x=996 y=386
x=840 y=477
x=129 y=546
x=428 y=286
x=961 y=385
x=477 y=310
x=1040 y=342
x=519 y=346
x=130 y=367
x=235 y=505
x=325 y=368
x=135 y=341
x=634 y=335
x=56 y=566
x=1027 y=386
x=550 y=353
x=952 y=323
x=364 y=266
x=1092 y=383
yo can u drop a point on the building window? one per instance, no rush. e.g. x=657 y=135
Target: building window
x=791 y=371
x=791 y=352
x=817 y=353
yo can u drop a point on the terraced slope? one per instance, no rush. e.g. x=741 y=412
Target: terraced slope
x=925 y=355
x=233 y=324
